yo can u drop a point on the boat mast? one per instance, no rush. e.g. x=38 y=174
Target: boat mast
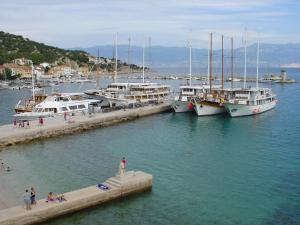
x=144 y=62
x=116 y=58
x=222 y=61
x=231 y=62
x=190 y=63
x=208 y=65
x=32 y=81
x=210 y=62
x=257 y=62
x=245 y=63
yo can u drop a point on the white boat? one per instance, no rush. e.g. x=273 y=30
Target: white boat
x=58 y=104
x=211 y=102
x=184 y=102
x=250 y=101
x=129 y=94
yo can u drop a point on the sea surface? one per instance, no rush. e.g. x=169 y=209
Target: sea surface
x=213 y=170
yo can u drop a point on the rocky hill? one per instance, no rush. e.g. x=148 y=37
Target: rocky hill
x=15 y=46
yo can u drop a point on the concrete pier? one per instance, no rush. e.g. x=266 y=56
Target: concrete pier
x=131 y=182
x=56 y=126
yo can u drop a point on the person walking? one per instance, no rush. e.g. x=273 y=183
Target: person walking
x=32 y=196
x=15 y=122
x=26 y=197
x=65 y=116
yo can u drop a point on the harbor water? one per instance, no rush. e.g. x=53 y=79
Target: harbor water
x=212 y=170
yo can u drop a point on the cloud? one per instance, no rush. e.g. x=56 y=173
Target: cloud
x=68 y=23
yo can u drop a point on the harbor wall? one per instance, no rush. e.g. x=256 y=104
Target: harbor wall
x=131 y=182
x=56 y=126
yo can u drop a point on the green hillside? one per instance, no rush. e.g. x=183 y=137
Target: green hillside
x=15 y=46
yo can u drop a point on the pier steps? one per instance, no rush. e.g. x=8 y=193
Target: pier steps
x=120 y=186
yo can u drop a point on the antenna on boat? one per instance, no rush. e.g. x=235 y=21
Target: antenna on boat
x=116 y=58
x=190 y=47
x=231 y=62
x=257 y=63
x=144 y=62
x=222 y=61
x=210 y=62
x=245 y=63
x=32 y=80
x=129 y=50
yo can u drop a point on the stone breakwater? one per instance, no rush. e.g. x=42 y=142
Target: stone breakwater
x=117 y=187
x=56 y=126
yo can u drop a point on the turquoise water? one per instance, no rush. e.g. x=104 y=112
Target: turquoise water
x=207 y=170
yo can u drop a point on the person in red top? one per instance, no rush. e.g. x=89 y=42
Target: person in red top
x=123 y=166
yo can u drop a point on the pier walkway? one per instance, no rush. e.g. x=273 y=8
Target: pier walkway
x=57 y=126
x=118 y=187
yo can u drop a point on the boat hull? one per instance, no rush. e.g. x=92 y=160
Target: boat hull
x=236 y=110
x=209 y=108
x=182 y=106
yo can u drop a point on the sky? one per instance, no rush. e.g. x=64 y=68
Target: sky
x=85 y=23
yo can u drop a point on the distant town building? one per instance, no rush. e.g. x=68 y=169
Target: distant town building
x=22 y=61
x=23 y=70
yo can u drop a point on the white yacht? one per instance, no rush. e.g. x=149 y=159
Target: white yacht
x=250 y=101
x=58 y=104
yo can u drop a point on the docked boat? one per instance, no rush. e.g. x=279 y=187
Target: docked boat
x=250 y=101
x=184 y=102
x=130 y=94
x=212 y=100
x=58 y=104
x=27 y=105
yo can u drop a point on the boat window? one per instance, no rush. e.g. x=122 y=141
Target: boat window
x=63 y=109
x=73 y=107
x=81 y=106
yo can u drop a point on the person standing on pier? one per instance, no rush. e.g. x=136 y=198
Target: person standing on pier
x=41 y=120
x=26 y=198
x=32 y=196
x=65 y=116
x=122 y=167
x=15 y=122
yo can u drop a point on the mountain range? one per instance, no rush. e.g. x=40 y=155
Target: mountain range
x=271 y=55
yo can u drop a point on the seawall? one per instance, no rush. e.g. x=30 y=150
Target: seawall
x=119 y=186
x=56 y=126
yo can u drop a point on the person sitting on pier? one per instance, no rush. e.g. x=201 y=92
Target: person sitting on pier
x=61 y=198
x=50 y=197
